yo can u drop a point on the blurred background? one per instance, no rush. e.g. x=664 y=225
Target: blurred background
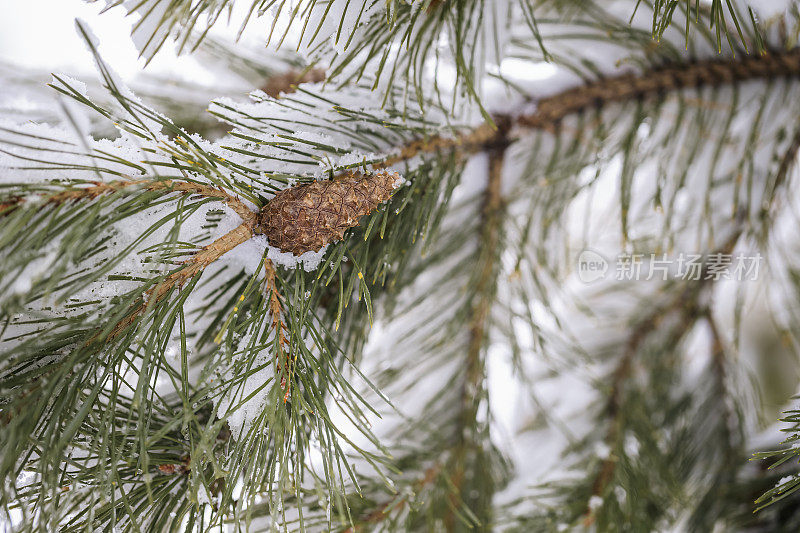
x=29 y=32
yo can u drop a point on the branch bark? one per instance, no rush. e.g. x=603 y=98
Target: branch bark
x=191 y=267
x=468 y=440
x=552 y=110
x=99 y=188
x=287 y=82
x=383 y=510
x=285 y=361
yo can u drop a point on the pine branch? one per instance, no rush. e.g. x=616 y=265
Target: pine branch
x=190 y=268
x=457 y=492
x=361 y=38
x=101 y=188
x=286 y=83
x=288 y=321
x=648 y=85
x=632 y=87
x=604 y=92
x=473 y=390
x=686 y=304
x=315 y=369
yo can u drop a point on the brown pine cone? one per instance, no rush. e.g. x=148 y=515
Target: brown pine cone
x=286 y=83
x=307 y=217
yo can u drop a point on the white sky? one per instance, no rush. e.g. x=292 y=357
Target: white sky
x=41 y=34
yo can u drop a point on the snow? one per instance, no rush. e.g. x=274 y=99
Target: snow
x=602 y=450
x=248 y=256
x=72 y=82
x=85 y=31
x=595 y=502
x=34 y=270
x=202 y=495
x=149 y=31
x=255 y=386
x=173 y=351
x=769 y=8
x=309 y=261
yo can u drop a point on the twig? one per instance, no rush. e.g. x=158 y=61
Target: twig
x=287 y=82
x=788 y=161
x=278 y=326
x=383 y=510
x=99 y=188
x=551 y=110
x=490 y=240
x=207 y=255
x=687 y=303
x=719 y=362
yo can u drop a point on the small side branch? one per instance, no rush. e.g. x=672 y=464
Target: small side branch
x=687 y=304
x=285 y=361
x=719 y=366
x=99 y=188
x=191 y=267
x=467 y=438
x=287 y=82
x=383 y=510
x=787 y=163
x=552 y=110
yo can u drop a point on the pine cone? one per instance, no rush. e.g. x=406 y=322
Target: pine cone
x=307 y=217
x=287 y=83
